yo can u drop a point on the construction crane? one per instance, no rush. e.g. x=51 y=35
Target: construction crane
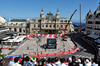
x=64 y=36
x=69 y=21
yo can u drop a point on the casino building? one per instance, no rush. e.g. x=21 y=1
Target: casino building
x=50 y=24
x=45 y=24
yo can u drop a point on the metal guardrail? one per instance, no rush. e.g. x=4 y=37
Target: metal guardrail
x=18 y=46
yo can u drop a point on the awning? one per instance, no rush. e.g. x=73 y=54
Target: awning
x=12 y=33
x=93 y=36
x=2 y=37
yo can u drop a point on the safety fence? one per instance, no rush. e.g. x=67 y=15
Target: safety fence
x=45 y=35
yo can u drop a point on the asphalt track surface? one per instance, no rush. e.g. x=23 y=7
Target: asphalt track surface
x=87 y=52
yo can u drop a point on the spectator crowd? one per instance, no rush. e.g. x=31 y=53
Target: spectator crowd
x=43 y=61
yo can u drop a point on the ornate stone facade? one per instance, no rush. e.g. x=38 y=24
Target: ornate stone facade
x=50 y=24
x=18 y=25
x=93 y=22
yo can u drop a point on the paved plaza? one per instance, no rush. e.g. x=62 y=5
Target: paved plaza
x=32 y=47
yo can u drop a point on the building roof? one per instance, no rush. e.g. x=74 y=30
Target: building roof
x=3 y=36
x=19 y=20
x=93 y=36
x=50 y=16
x=98 y=40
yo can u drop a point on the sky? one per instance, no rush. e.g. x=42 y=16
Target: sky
x=23 y=9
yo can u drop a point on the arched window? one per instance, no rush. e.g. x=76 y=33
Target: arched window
x=38 y=25
x=42 y=25
x=61 y=26
x=15 y=29
x=50 y=25
x=46 y=25
x=54 y=26
x=16 y=23
x=21 y=23
x=34 y=25
x=65 y=21
x=57 y=26
x=65 y=25
x=20 y=30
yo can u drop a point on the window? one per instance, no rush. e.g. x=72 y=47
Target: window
x=21 y=24
x=46 y=25
x=16 y=23
x=34 y=25
x=50 y=25
x=23 y=30
x=42 y=25
x=10 y=29
x=20 y=30
x=38 y=25
x=11 y=23
x=15 y=29
x=61 y=26
x=57 y=26
x=54 y=26
x=65 y=25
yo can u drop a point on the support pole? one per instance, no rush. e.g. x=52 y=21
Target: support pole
x=80 y=18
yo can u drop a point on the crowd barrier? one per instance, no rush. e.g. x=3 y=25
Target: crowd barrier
x=45 y=35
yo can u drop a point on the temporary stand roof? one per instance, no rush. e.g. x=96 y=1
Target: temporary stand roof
x=4 y=37
x=93 y=36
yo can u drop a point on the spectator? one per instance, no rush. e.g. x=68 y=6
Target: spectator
x=62 y=62
x=93 y=63
x=4 y=62
x=28 y=62
x=87 y=63
x=11 y=61
x=73 y=63
x=53 y=62
x=66 y=62
x=79 y=62
x=16 y=62
x=49 y=62
x=58 y=63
